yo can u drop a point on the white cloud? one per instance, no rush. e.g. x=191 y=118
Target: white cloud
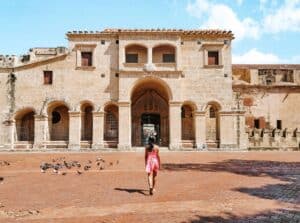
x=284 y=18
x=221 y=16
x=254 y=56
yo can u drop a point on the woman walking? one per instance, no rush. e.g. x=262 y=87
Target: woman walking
x=152 y=162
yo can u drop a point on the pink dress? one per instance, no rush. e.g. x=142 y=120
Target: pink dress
x=152 y=164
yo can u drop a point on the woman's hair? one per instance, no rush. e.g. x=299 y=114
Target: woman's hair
x=150 y=145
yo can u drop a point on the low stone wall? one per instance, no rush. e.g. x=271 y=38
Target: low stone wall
x=274 y=139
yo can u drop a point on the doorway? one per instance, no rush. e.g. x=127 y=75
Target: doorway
x=150 y=126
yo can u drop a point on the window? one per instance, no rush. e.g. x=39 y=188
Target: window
x=256 y=123
x=55 y=117
x=212 y=112
x=86 y=59
x=213 y=58
x=279 y=124
x=48 y=77
x=131 y=58
x=168 y=58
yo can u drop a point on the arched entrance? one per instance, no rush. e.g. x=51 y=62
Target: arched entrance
x=212 y=125
x=25 y=125
x=58 y=117
x=150 y=113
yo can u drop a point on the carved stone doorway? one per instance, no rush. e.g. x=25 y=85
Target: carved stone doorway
x=150 y=113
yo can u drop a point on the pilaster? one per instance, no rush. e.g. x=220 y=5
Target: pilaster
x=98 y=130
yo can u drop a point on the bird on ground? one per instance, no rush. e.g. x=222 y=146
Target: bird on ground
x=78 y=172
x=87 y=167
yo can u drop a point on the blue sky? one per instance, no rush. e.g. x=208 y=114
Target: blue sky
x=267 y=31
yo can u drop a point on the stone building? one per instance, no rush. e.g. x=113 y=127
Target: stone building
x=270 y=95
x=117 y=87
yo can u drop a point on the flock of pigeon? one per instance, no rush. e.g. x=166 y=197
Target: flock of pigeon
x=60 y=163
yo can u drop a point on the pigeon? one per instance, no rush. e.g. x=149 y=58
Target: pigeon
x=64 y=173
x=101 y=168
x=87 y=167
x=67 y=165
x=56 y=168
x=78 y=172
x=1 y=179
x=98 y=164
x=45 y=166
x=78 y=165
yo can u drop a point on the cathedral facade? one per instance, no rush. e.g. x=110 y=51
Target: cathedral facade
x=117 y=87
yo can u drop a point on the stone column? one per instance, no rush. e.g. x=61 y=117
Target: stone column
x=41 y=131
x=175 y=125
x=98 y=130
x=200 y=129
x=178 y=57
x=10 y=133
x=74 y=130
x=243 y=142
x=149 y=55
x=124 y=126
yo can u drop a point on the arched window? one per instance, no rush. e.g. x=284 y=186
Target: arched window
x=111 y=124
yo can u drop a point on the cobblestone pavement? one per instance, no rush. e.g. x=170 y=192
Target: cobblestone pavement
x=192 y=187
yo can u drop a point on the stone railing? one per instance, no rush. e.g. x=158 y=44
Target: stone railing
x=274 y=138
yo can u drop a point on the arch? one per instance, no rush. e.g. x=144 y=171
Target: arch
x=106 y=104
x=22 y=111
x=192 y=104
x=54 y=103
x=213 y=124
x=58 y=120
x=188 y=121
x=25 y=124
x=136 y=53
x=86 y=109
x=136 y=44
x=150 y=111
x=111 y=124
x=165 y=44
x=154 y=82
x=83 y=103
x=214 y=103
x=164 y=53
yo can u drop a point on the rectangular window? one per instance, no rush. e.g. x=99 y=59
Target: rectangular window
x=279 y=124
x=48 y=77
x=169 y=58
x=131 y=58
x=86 y=59
x=213 y=58
x=256 y=123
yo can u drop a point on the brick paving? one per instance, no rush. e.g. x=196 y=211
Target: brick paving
x=192 y=187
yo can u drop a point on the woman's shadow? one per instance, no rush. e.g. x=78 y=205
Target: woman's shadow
x=129 y=190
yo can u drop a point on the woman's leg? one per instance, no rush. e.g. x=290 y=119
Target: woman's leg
x=154 y=179
x=150 y=180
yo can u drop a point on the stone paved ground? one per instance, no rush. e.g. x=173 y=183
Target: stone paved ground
x=193 y=187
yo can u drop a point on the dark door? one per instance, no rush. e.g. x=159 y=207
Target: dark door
x=150 y=127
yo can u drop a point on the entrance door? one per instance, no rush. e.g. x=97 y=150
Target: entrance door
x=150 y=127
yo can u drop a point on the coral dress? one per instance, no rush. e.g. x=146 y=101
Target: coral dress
x=152 y=164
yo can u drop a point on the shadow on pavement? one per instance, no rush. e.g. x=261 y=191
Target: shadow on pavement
x=280 y=215
x=288 y=172
x=130 y=190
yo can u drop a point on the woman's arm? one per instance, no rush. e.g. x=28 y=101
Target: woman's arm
x=158 y=157
x=146 y=156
